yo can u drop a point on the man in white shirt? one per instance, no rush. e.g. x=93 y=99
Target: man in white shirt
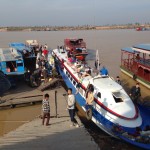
x=71 y=107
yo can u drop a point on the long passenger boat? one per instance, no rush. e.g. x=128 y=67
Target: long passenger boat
x=113 y=111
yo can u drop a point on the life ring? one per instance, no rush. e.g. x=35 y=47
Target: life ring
x=89 y=114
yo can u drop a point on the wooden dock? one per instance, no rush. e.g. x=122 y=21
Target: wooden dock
x=58 y=135
x=29 y=98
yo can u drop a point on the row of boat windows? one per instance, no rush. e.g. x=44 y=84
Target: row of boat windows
x=69 y=76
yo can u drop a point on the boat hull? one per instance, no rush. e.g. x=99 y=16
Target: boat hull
x=146 y=84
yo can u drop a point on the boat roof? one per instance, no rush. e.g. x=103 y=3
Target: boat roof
x=9 y=54
x=143 y=48
x=32 y=42
x=16 y=44
x=128 y=49
x=19 y=46
x=106 y=83
x=73 y=39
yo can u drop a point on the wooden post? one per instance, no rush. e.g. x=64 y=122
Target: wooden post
x=56 y=104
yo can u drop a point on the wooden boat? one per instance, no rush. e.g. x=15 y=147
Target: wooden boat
x=135 y=62
x=27 y=53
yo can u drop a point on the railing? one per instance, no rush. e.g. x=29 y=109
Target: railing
x=140 y=68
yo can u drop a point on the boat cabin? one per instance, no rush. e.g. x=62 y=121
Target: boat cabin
x=77 y=47
x=11 y=62
x=34 y=45
x=27 y=53
x=136 y=61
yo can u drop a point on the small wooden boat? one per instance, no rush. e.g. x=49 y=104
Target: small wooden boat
x=135 y=62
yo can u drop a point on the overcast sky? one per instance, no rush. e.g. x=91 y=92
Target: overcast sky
x=73 y=12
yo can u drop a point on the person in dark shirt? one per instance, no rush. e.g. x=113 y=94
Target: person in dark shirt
x=135 y=93
x=118 y=80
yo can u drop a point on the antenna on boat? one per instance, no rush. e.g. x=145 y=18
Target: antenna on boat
x=97 y=61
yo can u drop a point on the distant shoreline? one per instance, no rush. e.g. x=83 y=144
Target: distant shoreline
x=71 y=28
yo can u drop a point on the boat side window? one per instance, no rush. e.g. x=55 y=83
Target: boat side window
x=74 y=82
x=19 y=64
x=11 y=66
x=71 y=78
x=99 y=95
x=69 y=75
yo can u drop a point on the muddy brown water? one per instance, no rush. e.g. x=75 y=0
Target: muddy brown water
x=108 y=42
x=10 y=119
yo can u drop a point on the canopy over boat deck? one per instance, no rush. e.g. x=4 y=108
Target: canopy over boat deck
x=9 y=54
x=142 y=48
x=20 y=46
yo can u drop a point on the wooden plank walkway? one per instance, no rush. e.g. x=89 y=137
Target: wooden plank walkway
x=59 y=135
x=31 y=97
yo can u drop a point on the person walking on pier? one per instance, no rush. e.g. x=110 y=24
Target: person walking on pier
x=71 y=108
x=46 y=109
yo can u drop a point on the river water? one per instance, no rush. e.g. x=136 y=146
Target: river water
x=10 y=119
x=108 y=42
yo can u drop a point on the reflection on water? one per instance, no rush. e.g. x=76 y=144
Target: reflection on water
x=10 y=119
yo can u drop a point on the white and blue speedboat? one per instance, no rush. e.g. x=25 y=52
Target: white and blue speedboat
x=112 y=107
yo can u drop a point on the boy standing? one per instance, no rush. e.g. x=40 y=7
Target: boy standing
x=135 y=93
x=46 y=109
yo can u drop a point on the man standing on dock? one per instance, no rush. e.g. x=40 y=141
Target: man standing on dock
x=71 y=107
x=46 y=109
x=135 y=93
